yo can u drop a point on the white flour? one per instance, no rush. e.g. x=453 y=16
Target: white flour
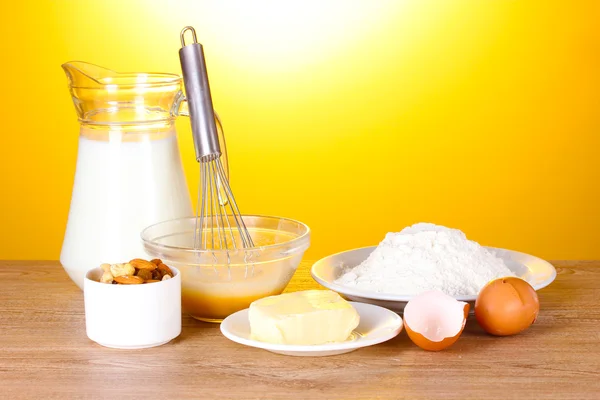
x=426 y=257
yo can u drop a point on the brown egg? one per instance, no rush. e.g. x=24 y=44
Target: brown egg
x=434 y=320
x=506 y=306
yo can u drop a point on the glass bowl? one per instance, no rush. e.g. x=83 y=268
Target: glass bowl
x=217 y=283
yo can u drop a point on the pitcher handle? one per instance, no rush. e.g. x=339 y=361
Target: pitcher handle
x=180 y=108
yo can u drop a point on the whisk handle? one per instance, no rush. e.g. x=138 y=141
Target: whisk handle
x=197 y=88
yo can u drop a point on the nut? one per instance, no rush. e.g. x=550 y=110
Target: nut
x=107 y=277
x=157 y=274
x=105 y=267
x=135 y=272
x=144 y=274
x=142 y=264
x=165 y=269
x=122 y=269
x=129 y=280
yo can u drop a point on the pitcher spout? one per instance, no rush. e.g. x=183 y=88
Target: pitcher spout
x=102 y=96
x=82 y=74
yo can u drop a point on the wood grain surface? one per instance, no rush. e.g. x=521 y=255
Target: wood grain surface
x=45 y=353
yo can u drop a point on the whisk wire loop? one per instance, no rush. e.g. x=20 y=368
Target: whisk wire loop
x=241 y=225
x=219 y=223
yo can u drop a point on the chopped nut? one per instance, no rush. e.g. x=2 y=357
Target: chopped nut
x=107 y=277
x=166 y=277
x=156 y=261
x=122 y=269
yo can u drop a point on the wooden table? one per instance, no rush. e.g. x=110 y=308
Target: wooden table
x=44 y=353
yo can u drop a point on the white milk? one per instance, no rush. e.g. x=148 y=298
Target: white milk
x=120 y=188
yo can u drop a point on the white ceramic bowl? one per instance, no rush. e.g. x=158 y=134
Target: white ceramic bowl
x=132 y=316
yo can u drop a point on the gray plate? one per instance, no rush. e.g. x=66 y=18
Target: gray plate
x=537 y=272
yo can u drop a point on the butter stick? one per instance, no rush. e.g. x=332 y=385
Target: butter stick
x=309 y=317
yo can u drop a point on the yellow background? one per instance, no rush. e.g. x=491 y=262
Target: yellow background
x=357 y=118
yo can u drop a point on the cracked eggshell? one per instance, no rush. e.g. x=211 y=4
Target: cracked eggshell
x=434 y=320
x=506 y=306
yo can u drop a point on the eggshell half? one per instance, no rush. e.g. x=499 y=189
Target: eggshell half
x=434 y=320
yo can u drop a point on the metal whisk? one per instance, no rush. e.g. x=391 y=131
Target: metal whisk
x=219 y=224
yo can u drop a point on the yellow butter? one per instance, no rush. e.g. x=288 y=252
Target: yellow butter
x=302 y=318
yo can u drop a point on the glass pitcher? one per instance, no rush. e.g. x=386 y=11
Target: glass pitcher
x=129 y=173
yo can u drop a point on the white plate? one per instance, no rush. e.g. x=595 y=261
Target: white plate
x=537 y=272
x=376 y=325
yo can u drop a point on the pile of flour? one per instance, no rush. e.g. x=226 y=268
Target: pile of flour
x=426 y=257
